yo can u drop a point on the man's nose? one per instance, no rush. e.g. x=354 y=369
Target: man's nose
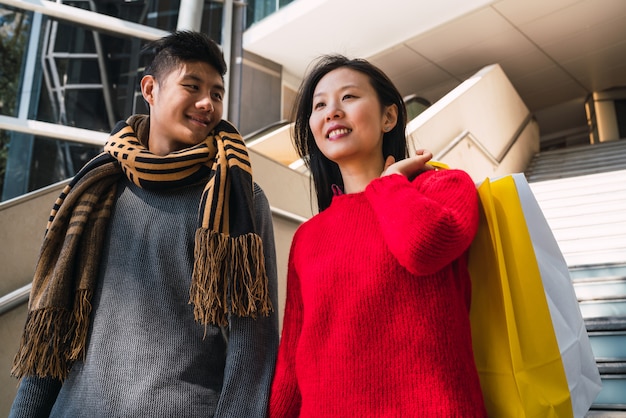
x=205 y=103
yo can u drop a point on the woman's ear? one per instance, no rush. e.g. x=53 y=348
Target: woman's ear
x=390 y=117
x=148 y=84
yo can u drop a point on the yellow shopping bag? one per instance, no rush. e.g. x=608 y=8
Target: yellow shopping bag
x=515 y=347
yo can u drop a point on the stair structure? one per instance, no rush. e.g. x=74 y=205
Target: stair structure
x=578 y=160
x=582 y=192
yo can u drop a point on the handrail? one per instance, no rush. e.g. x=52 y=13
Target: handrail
x=290 y=216
x=457 y=140
x=494 y=159
x=20 y=296
x=53 y=130
x=87 y=18
x=14 y=299
x=272 y=127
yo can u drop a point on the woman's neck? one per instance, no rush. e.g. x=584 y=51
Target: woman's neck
x=357 y=177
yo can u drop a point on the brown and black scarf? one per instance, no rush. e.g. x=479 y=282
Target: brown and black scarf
x=229 y=270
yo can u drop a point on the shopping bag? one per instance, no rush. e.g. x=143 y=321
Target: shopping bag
x=531 y=349
x=581 y=370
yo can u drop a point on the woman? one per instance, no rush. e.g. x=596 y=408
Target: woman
x=376 y=319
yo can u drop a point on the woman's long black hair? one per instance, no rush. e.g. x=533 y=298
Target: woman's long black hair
x=325 y=172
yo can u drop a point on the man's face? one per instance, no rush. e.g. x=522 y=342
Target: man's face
x=185 y=106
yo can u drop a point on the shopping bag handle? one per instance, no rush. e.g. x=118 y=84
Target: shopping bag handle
x=438 y=165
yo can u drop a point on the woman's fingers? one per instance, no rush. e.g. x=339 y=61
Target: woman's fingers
x=409 y=167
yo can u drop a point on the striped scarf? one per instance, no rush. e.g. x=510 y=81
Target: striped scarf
x=229 y=270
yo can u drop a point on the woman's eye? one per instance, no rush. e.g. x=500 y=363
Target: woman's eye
x=318 y=105
x=348 y=96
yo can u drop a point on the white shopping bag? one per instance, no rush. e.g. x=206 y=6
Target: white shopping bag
x=581 y=371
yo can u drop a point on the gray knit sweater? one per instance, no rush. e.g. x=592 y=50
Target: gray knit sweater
x=146 y=356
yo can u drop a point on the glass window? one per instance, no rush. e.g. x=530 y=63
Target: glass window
x=14 y=31
x=260 y=9
x=82 y=78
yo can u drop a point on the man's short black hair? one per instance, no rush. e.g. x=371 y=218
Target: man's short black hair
x=169 y=52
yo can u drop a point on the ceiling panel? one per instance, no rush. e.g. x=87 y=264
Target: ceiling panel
x=421 y=79
x=520 y=65
x=579 y=19
x=588 y=42
x=601 y=70
x=459 y=34
x=399 y=60
x=520 y=12
x=491 y=50
x=552 y=95
x=435 y=93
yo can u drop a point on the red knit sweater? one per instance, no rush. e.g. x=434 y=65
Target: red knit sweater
x=376 y=320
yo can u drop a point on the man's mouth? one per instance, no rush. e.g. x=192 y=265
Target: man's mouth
x=202 y=121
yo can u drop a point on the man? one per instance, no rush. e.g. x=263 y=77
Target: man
x=154 y=292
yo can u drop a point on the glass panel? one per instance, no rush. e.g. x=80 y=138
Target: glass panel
x=81 y=78
x=14 y=34
x=260 y=9
x=88 y=79
x=414 y=106
x=55 y=160
x=36 y=161
x=212 y=20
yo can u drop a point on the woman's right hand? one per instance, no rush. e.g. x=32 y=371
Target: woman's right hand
x=409 y=167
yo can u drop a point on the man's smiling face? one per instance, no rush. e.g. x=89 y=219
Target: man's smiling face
x=185 y=106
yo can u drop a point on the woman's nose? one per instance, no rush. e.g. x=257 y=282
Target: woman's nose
x=333 y=112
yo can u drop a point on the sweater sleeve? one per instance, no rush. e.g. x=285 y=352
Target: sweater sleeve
x=253 y=343
x=429 y=222
x=285 y=397
x=35 y=397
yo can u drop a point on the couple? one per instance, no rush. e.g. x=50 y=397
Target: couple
x=155 y=291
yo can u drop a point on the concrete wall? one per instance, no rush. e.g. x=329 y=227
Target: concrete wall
x=22 y=224
x=260 y=93
x=488 y=108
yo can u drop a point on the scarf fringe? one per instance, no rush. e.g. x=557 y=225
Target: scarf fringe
x=219 y=260
x=53 y=339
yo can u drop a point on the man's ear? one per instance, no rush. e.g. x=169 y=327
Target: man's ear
x=390 y=117
x=148 y=85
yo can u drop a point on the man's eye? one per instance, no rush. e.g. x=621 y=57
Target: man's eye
x=218 y=96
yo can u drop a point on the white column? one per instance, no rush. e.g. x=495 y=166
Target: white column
x=190 y=15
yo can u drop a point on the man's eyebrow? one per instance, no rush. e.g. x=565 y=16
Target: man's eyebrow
x=193 y=77
x=199 y=79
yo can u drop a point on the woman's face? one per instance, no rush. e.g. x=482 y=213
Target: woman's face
x=347 y=119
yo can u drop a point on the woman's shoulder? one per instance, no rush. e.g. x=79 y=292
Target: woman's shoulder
x=453 y=175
